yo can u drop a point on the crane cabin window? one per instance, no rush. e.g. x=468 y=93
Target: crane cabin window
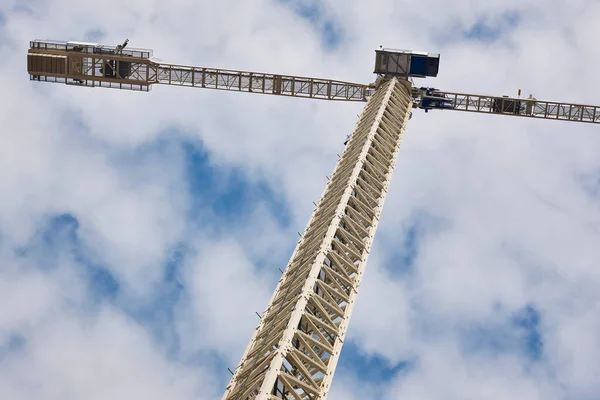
x=406 y=63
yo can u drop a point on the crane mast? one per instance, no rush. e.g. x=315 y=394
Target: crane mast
x=295 y=348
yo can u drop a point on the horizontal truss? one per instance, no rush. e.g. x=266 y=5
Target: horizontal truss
x=532 y=108
x=256 y=82
x=133 y=69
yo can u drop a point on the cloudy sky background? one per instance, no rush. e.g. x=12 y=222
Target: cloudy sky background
x=139 y=232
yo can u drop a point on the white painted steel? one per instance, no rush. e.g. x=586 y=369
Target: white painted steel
x=295 y=348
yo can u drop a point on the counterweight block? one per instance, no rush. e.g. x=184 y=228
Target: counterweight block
x=90 y=64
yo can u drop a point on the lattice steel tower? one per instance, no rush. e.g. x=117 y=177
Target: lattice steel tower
x=296 y=346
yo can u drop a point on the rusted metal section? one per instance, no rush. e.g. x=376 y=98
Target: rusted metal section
x=89 y=64
x=47 y=64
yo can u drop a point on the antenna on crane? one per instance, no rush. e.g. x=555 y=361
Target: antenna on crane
x=119 y=48
x=295 y=348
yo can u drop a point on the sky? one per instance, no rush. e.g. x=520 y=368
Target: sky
x=140 y=232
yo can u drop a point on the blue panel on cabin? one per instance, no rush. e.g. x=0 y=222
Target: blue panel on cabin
x=418 y=65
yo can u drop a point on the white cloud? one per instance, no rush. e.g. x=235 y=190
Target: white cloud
x=443 y=371
x=73 y=357
x=518 y=225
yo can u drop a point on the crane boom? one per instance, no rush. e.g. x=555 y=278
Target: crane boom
x=295 y=347
x=427 y=99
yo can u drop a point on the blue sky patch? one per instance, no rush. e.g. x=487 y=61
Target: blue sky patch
x=51 y=241
x=157 y=313
x=25 y=7
x=60 y=239
x=102 y=282
x=373 y=369
x=519 y=333
x=527 y=321
x=60 y=230
x=405 y=247
x=409 y=249
x=490 y=339
x=56 y=241
x=488 y=31
x=94 y=35
x=590 y=184
x=11 y=345
x=330 y=31
x=227 y=192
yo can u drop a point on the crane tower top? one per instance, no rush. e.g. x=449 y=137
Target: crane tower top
x=404 y=64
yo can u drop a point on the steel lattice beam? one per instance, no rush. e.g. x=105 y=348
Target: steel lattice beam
x=133 y=69
x=257 y=82
x=524 y=107
x=296 y=346
x=53 y=61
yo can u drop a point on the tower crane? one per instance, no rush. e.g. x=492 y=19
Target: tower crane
x=295 y=348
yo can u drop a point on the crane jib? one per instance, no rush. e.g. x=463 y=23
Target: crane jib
x=93 y=65
x=521 y=107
